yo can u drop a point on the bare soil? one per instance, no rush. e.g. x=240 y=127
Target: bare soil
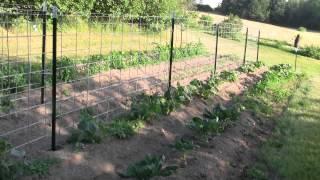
x=223 y=157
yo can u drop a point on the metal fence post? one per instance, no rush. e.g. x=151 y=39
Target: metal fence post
x=43 y=58
x=216 y=51
x=171 y=52
x=258 y=46
x=54 y=76
x=245 y=47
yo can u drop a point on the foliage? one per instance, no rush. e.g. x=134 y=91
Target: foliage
x=183 y=145
x=255 y=173
x=231 y=27
x=149 y=167
x=13 y=78
x=123 y=129
x=66 y=69
x=89 y=130
x=14 y=169
x=310 y=51
x=204 y=89
x=230 y=76
x=6 y=104
x=214 y=122
x=293 y=12
x=206 y=21
x=302 y=29
x=250 y=67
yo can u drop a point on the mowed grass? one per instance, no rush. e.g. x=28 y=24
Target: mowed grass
x=293 y=152
x=272 y=56
x=275 y=32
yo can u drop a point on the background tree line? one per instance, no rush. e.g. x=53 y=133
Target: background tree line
x=116 y=7
x=295 y=13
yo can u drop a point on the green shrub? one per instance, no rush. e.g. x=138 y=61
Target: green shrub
x=310 y=51
x=231 y=27
x=302 y=29
x=151 y=166
x=206 y=21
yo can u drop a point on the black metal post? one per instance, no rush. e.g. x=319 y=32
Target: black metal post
x=43 y=58
x=295 y=62
x=216 y=52
x=245 y=47
x=54 y=77
x=171 y=52
x=258 y=46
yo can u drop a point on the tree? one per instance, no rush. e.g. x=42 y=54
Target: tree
x=258 y=10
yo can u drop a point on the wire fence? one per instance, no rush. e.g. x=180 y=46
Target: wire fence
x=54 y=65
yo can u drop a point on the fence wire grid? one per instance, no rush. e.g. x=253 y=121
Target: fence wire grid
x=102 y=62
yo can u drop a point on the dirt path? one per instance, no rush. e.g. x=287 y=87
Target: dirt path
x=224 y=157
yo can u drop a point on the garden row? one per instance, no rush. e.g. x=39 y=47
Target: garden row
x=15 y=77
x=263 y=94
x=146 y=108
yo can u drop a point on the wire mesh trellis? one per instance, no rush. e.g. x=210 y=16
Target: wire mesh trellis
x=102 y=62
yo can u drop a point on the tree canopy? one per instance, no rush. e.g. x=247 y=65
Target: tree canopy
x=285 y=12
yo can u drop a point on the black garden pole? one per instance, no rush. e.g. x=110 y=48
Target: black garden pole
x=171 y=52
x=43 y=56
x=54 y=76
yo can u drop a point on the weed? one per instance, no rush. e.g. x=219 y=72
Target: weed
x=151 y=166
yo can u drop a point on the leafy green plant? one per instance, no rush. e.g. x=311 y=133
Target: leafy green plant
x=213 y=122
x=67 y=69
x=123 y=129
x=230 y=76
x=183 y=145
x=149 y=167
x=258 y=64
x=89 y=130
x=247 y=68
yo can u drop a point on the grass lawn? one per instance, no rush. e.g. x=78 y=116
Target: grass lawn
x=272 y=56
x=275 y=32
x=294 y=150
